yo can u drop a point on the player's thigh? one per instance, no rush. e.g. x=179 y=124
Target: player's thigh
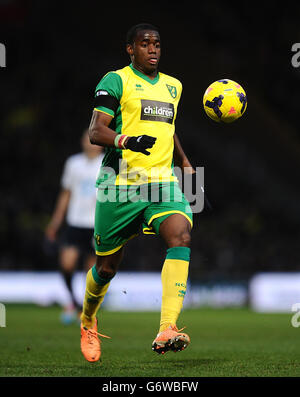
x=116 y=222
x=87 y=247
x=74 y=241
x=172 y=203
x=68 y=257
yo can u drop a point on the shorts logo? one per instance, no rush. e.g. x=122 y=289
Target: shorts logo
x=172 y=90
x=157 y=111
x=97 y=239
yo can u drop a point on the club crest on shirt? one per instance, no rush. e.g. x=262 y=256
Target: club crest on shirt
x=172 y=90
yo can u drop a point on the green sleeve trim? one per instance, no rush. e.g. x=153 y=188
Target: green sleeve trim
x=181 y=253
x=105 y=110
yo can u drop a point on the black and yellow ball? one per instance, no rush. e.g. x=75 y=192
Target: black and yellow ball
x=225 y=101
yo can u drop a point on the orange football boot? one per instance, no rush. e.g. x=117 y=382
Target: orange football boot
x=170 y=339
x=90 y=343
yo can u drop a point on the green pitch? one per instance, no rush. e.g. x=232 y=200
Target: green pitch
x=224 y=343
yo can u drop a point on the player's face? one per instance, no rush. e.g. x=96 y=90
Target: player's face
x=145 y=52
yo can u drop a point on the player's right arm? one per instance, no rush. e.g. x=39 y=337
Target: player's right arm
x=58 y=215
x=99 y=132
x=107 y=101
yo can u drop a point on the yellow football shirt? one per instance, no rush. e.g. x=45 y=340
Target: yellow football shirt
x=144 y=107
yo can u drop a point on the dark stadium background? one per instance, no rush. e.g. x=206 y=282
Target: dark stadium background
x=56 y=54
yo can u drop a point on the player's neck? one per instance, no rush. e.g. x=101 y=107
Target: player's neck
x=150 y=75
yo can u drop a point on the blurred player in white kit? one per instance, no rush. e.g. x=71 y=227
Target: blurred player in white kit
x=75 y=207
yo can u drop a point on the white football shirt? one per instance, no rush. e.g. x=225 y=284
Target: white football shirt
x=79 y=176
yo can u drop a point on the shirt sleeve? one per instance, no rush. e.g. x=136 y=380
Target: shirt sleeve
x=108 y=94
x=67 y=176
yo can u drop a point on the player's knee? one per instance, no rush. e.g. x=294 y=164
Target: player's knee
x=185 y=238
x=181 y=239
x=106 y=274
x=105 y=268
x=105 y=271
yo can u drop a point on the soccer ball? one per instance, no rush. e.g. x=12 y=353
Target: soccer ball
x=225 y=101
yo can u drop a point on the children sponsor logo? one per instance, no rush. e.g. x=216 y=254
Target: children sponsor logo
x=157 y=111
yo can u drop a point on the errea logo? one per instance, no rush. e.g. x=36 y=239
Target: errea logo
x=139 y=87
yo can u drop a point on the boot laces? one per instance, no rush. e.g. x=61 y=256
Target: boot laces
x=91 y=334
x=174 y=327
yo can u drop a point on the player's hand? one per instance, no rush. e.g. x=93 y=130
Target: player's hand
x=50 y=233
x=207 y=204
x=190 y=188
x=140 y=143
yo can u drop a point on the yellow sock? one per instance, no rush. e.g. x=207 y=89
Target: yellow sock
x=96 y=288
x=174 y=279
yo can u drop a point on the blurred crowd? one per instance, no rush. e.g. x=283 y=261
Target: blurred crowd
x=56 y=54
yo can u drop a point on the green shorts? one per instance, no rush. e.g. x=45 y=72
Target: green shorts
x=121 y=212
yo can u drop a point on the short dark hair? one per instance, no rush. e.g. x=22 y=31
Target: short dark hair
x=132 y=32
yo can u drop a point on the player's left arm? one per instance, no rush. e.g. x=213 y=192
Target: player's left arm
x=180 y=158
